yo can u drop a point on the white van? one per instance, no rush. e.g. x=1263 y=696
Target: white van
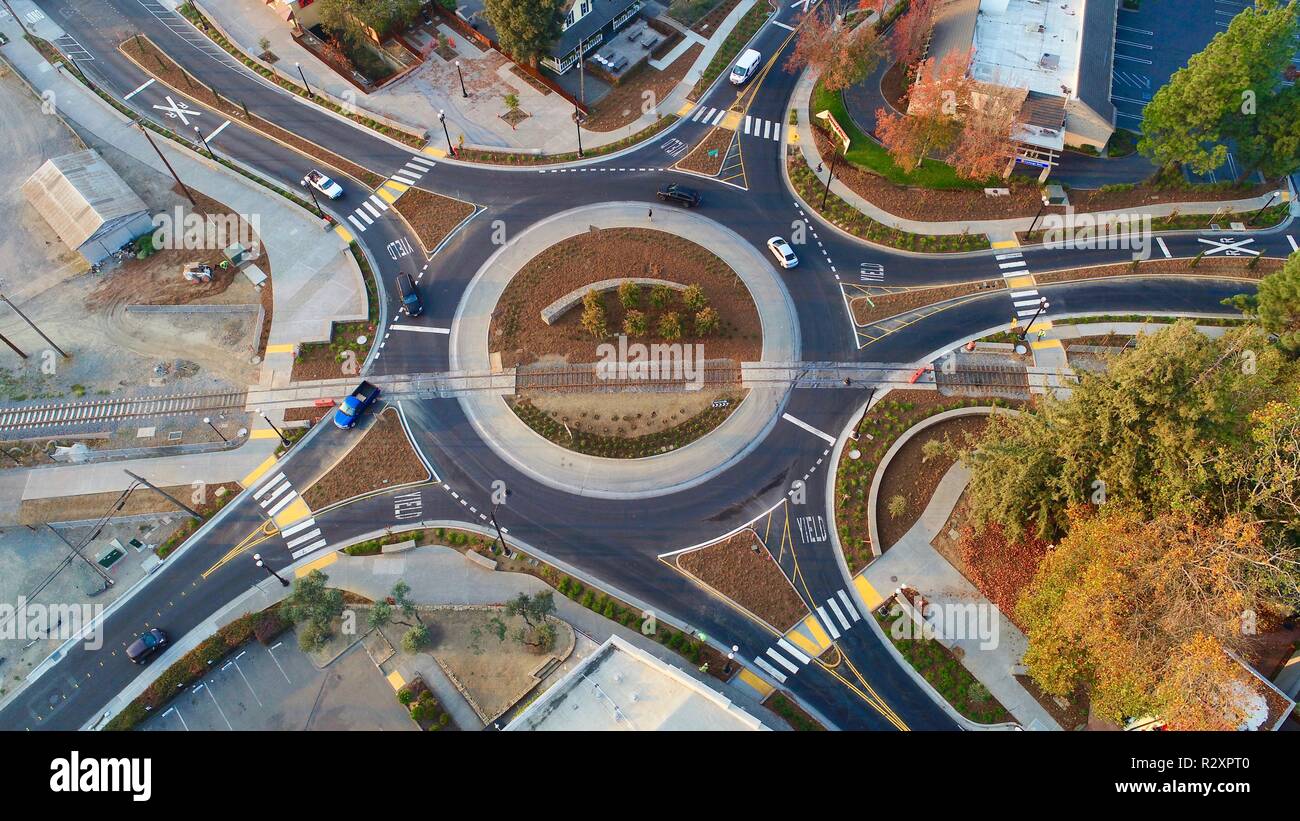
x=745 y=67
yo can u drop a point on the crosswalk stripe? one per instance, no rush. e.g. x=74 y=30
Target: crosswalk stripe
x=1012 y=255
x=848 y=605
x=364 y=216
x=268 y=485
x=826 y=622
x=372 y=209
x=1291 y=240
x=300 y=526
x=794 y=651
x=1023 y=302
x=276 y=493
x=1019 y=294
x=414 y=170
x=424 y=161
x=1164 y=249
x=782 y=660
x=698 y=111
x=305 y=537
x=767 y=128
x=303 y=551
x=747 y=119
x=776 y=132
x=402 y=180
x=770 y=670
x=835 y=608
x=722 y=112
x=1025 y=313
x=380 y=204
x=280 y=505
x=358 y=223
x=1020 y=263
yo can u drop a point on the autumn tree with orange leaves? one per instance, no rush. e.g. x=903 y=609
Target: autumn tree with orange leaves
x=910 y=30
x=986 y=143
x=843 y=54
x=931 y=123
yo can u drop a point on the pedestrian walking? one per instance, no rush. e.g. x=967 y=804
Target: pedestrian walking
x=650 y=215
x=819 y=168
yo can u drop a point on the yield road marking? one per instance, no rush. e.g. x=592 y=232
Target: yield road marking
x=800 y=423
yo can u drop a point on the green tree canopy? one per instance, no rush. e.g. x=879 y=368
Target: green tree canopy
x=525 y=28
x=1221 y=94
x=314 y=605
x=348 y=19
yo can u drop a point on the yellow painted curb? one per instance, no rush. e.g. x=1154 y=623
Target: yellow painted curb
x=320 y=564
x=1046 y=343
x=804 y=643
x=757 y=683
x=685 y=109
x=296 y=510
x=868 y=593
x=397 y=187
x=263 y=433
x=283 y=347
x=732 y=121
x=1006 y=243
x=1040 y=325
x=258 y=472
x=434 y=152
x=387 y=195
x=343 y=232
x=1021 y=282
x=395 y=679
x=814 y=628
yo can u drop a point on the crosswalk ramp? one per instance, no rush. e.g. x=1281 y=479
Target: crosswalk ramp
x=365 y=215
x=1025 y=299
x=827 y=622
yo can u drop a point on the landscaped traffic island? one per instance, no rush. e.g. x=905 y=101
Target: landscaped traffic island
x=627 y=342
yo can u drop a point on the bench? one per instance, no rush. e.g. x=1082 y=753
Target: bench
x=481 y=560
x=397 y=547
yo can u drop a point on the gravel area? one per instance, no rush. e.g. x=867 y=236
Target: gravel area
x=383 y=458
x=742 y=569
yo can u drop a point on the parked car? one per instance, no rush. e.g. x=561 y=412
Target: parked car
x=323 y=184
x=745 y=67
x=355 y=404
x=149 y=643
x=680 y=194
x=411 y=304
x=783 y=252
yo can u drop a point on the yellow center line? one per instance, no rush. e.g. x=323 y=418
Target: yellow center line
x=266 y=530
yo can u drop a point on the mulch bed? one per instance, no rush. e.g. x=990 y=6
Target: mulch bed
x=536 y=84
x=1236 y=266
x=893 y=86
x=570 y=435
x=431 y=216
x=141 y=501
x=153 y=61
x=887 y=305
x=1073 y=716
x=324 y=360
x=622 y=105
x=742 y=569
x=707 y=24
x=699 y=161
x=793 y=714
x=383 y=458
x=310 y=412
x=517 y=329
x=915 y=479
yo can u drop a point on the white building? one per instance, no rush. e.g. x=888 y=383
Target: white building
x=87 y=204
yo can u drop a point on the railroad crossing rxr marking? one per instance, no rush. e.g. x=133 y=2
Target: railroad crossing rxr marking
x=673 y=147
x=175 y=110
x=408 y=506
x=872 y=271
x=1229 y=246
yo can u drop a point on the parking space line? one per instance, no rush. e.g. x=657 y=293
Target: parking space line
x=277 y=661
x=246 y=681
x=218 y=704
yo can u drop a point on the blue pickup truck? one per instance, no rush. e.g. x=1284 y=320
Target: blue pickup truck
x=355 y=404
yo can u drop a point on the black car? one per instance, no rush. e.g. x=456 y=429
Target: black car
x=680 y=194
x=145 y=646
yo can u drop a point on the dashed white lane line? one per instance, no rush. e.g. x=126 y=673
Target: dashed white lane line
x=800 y=423
x=419 y=329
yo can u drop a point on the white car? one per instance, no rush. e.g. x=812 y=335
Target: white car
x=783 y=252
x=322 y=184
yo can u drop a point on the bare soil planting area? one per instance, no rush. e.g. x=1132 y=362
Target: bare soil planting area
x=518 y=332
x=383 y=458
x=882 y=306
x=742 y=569
x=914 y=478
x=431 y=216
x=622 y=105
x=1245 y=267
x=699 y=160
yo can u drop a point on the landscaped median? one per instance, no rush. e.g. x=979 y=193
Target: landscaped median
x=867 y=309
x=1253 y=267
x=847 y=218
x=384 y=458
x=708 y=155
x=741 y=569
x=432 y=217
x=517 y=158
x=344 y=354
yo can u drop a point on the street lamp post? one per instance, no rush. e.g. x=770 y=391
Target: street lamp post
x=204 y=140
x=1271 y=197
x=257 y=557
x=208 y=421
x=1043 y=305
x=442 y=118
x=315 y=202
x=1036 y=216
x=305 y=84
x=500 y=537
x=283 y=440
x=835 y=158
x=463 y=92
x=577 y=122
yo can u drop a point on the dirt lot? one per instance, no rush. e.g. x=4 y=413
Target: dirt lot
x=699 y=161
x=150 y=59
x=914 y=478
x=1232 y=266
x=383 y=458
x=742 y=569
x=622 y=105
x=517 y=329
x=432 y=216
x=886 y=305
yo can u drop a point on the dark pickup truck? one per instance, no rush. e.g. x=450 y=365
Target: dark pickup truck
x=355 y=404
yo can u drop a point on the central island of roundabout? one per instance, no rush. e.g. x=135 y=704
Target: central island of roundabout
x=553 y=306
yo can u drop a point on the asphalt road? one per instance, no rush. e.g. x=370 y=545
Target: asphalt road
x=617 y=543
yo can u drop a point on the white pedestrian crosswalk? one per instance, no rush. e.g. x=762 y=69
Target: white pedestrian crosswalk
x=1025 y=302
x=301 y=537
x=364 y=215
x=764 y=129
x=833 y=618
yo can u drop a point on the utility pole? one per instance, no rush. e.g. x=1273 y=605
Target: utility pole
x=76 y=551
x=15 y=348
x=164 y=494
x=184 y=187
x=18 y=311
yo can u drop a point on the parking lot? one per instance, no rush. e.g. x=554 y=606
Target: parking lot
x=1154 y=41
x=278 y=688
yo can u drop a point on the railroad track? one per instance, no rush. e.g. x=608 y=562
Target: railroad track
x=58 y=415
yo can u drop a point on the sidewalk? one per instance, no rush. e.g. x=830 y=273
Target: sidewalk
x=683 y=468
x=997 y=230
x=416 y=99
x=912 y=561
x=441 y=575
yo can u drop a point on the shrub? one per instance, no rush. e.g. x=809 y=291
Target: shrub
x=660 y=296
x=897 y=506
x=415 y=639
x=629 y=293
x=694 y=298
x=593 y=315
x=707 y=322
x=405 y=697
x=670 y=326
x=636 y=324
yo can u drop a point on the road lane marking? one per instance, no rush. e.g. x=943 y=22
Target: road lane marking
x=140 y=88
x=800 y=423
x=1164 y=249
x=419 y=328
x=218 y=130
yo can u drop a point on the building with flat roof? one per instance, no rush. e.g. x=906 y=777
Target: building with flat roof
x=87 y=204
x=621 y=687
x=1060 y=51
